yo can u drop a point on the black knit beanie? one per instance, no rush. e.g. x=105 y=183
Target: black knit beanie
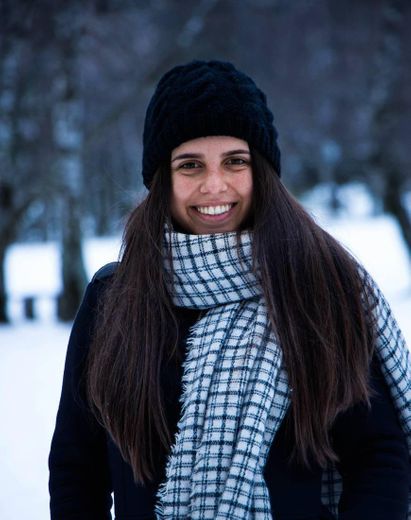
x=205 y=98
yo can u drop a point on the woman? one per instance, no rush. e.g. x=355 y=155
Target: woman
x=237 y=362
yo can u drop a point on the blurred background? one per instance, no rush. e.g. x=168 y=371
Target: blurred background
x=75 y=80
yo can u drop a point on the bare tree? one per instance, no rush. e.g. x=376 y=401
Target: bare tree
x=23 y=142
x=384 y=110
x=41 y=141
x=68 y=139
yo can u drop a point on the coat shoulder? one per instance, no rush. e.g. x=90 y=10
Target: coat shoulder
x=105 y=272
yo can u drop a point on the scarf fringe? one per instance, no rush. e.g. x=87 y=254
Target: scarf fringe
x=163 y=488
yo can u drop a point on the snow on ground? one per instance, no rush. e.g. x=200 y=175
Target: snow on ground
x=375 y=241
x=32 y=354
x=31 y=366
x=34 y=269
x=31 y=363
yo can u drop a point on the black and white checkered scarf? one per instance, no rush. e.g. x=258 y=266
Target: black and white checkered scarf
x=235 y=390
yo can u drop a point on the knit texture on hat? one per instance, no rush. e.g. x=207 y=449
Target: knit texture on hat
x=205 y=98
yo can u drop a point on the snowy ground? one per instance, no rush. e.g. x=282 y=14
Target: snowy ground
x=32 y=354
x=31 y=364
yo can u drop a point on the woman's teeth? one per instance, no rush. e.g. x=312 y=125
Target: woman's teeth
x=214 y=210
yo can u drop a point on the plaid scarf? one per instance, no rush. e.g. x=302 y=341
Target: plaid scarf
x=235 y=389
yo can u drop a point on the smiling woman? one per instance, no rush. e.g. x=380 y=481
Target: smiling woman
x=237 y=363
x=211 y=184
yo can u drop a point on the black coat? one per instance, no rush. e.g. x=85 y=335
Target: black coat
x=86 y=467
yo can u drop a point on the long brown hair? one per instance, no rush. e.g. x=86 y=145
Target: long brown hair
x=319 y=306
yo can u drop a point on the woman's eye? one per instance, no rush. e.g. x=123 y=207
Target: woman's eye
x=237 y=161
x=189 y=165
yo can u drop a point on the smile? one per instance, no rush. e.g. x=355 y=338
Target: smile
x=214 y=210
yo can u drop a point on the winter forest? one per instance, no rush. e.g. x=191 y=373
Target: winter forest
x=75 y=78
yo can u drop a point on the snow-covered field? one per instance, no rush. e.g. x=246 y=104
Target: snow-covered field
x=31 y=364
x=32 y=354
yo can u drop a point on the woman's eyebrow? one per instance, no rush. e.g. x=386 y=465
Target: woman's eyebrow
x=234 y=152
x=199 y=155
x=187 y=156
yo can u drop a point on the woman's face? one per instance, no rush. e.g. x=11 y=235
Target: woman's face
x=211 y=184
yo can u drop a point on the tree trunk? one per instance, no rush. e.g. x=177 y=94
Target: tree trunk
x=3 y=294
x=72 y=265
x=384 y=112
x=69 y=139
x=394 y=205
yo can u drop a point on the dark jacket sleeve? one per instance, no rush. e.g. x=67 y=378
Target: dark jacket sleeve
x=79 y=484
x=374 y=459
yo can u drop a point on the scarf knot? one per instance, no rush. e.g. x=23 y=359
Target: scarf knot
x=210 y=270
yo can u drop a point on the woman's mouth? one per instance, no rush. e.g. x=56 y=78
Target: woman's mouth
x=214 y=211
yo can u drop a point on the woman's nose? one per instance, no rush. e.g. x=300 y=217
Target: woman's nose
x=214 y=181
